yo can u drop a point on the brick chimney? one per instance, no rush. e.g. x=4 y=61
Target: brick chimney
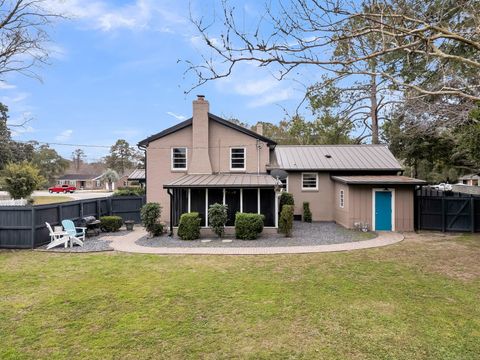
x=200 y=160
x=260 y=128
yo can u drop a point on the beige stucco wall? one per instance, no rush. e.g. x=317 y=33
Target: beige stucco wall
x=159 y=167
x=359 y=205
x=221 y=139
x=320 y=200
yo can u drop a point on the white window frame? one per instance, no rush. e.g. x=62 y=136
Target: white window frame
x=341 y=199
x=286 y=184
x=171 y=158
x=244 y=158
x=316 y=182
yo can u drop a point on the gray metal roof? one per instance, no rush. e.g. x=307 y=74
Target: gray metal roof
x=137 y=174
x=378 y=179
x=223 y=180
x=80 y=177
x=334 y=157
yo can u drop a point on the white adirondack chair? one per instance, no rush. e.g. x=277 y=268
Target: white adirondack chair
x=57 y=238
x=76 y=234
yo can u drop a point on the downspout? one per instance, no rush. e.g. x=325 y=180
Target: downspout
x=169 y=192
x=259 y=146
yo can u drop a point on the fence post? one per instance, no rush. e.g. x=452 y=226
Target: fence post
x=99 y=208
x=109 y=205
x=81 y=209
x=60 y=213
x=443 y=214
x=33 y=227
x=472 y=214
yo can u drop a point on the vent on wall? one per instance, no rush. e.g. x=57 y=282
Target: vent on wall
x=328 y=156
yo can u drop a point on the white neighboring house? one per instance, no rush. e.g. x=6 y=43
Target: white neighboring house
x=471 y=180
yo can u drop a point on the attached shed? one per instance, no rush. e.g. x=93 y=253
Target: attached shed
x=383 y=202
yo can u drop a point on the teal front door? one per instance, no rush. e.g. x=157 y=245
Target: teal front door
x=383 y=210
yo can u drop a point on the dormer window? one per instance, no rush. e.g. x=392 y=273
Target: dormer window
x=179 y=158
x=237 y=159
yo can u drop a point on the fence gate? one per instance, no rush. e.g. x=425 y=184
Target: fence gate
x=436 y=210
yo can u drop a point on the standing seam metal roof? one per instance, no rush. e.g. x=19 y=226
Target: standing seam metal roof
x=223 y=180
x=342 y=157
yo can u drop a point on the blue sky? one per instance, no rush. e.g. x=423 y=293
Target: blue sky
x=115 y=73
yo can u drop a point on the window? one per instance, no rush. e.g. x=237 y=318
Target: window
x=237 y=158
x=179 y=158
x=309 y=181
x=342 y=199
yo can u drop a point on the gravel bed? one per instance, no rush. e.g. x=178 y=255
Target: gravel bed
x=91 y=244
x=317 y=233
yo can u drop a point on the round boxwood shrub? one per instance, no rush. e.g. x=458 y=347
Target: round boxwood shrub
x=189 y=226
x=248 y=226
x=286 y=220
x=217 y=218
x=307 y=214
x=286 y=199
x=111 y=223
x=150 y=215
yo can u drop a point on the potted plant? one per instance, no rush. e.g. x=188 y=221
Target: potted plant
x=129 y=224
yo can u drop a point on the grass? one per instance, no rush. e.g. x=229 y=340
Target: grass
x=42 y=200
x=415 y=300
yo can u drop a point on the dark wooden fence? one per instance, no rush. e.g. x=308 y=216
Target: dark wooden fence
x=447 y=211
x=24 y=226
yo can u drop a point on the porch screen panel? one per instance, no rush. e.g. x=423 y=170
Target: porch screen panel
x=232 y=199
x=180 y=204
x=197 y=203
x=250 y=200
x=215 y=196
x=267 y=206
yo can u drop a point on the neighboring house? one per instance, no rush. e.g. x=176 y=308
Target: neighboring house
x=472 y=179
x=82 y=181
x=207 y=159
x=136 y=178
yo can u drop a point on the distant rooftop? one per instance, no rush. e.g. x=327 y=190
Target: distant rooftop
x=81 y=177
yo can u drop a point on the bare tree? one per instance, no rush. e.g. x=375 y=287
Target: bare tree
x=417 y=41
x=23 y=36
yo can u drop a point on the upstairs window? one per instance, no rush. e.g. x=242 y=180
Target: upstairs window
x=309 y=181
x=342 y=199
x=237 y=158
x=179 y=158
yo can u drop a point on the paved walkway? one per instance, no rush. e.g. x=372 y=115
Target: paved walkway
x=127 y=244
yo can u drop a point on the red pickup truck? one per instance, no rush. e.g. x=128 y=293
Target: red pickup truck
x=62 y=188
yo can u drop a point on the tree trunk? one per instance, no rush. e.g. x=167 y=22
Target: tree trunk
x=374 y=108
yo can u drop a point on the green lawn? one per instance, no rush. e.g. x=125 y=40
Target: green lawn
x=52 y=199
x=419 y=299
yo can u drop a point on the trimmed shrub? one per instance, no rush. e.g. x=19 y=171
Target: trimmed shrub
x=217 y=218
x=248 y=226
x=150 y=215
x=129 y=191
x=286 y=220
x=307 y=214
x=21 y=179
x=111 y=223
x=189 y=226
x=286 y=199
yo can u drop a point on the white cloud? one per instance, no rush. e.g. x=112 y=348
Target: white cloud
x=64 y=135
x=272 y=98
x=6 y=86
x=140 y=14
x=176 y=116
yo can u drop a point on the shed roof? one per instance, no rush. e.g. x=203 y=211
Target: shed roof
x=223 y=180
x=211 y=117
x=378 y=179
x=137 y=174
x=335 y=157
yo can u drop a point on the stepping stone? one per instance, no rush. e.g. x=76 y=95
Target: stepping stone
x=227 y=240
x=205 y=241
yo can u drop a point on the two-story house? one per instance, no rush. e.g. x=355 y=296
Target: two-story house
x=207 y=159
